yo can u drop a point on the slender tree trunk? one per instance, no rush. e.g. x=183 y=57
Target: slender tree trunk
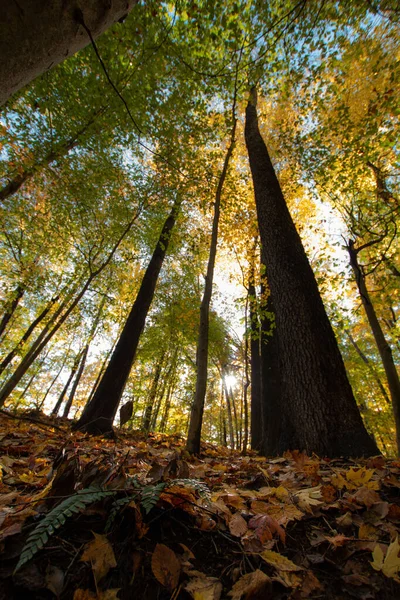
x=54 y=380
x=170 y=391
x=71 y=396
x=196 y=416
x=370 y=367
x=46 y=335
x=7 y=359
x=256 y=415
x=62 y=149
x=61 y=397
x=152 y=395
x=317 y=398
x=246 y=385
x=18 y=293
x=384 y=349
x=37 y=35
x=229 y=411
x=98 y=415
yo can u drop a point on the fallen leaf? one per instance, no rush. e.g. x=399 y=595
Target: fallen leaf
x=237 y=525
x=389 y=564
x=54 y=580
x=204 y=588
x=165 y=566
x=255 y=584
x=100 y=554
x=308 y=498
x=278 y=561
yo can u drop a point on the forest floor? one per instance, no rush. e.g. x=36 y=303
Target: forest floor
x=93 y=518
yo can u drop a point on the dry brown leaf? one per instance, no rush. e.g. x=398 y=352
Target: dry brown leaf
x=100 y=554
x=255 y=584
x=204 y=588
x=101 y=595
x=165 y=566
x=237 y=525
x=54 y=580
x=265 y=526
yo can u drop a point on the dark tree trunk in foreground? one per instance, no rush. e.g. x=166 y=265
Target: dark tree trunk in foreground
x=196 y=415
x=384 y=349
x=317 y=399
x=38 y=34
x=98 y=415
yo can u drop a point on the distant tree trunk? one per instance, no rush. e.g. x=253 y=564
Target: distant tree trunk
x=370 y=367
x=317 y=399
x=61 y=150
x=165 y=384
x=98 y=415
x=256 y=414
x=61 y=397
x=18 y=293
x=54 y=380
x=384 y=349
x=46 y=335
x=79 y=373
x=229 y=411
x=38 y=34
x=170 y=391
x=7 y=359
x=152 y=395
x=246 y=385
x=196 y=415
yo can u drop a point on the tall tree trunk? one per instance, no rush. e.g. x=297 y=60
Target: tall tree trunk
x=61 y=397
x=170 y=391
x=256 y=415
x=370 y=367
x=196 y=415
x=152 y=395
x=384 y=349
x=18 y=293
x=317 y=398
x=272 y=416
x=7 y=359
x=229 y=411
x=54 y=380
x=246 y=385
x=79 y=373
x=98 y=415
x=37 y=35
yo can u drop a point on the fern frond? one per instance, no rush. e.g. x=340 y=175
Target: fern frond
x=202 y=489
x=150 y=496
x=116 y=506
x=56 y=518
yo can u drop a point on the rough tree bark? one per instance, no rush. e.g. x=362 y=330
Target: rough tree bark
x=98 y=415
x=36 y=35
x=196 y=415
x=317 y=399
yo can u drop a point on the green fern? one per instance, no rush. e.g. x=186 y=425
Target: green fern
x=202 y=489
x=116 y=506
x=56 y=518
x=150 y=496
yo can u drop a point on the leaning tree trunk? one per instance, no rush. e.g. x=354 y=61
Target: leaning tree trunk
x=196 y=415
x=98 y=415
x=316 y=395
x=38 y=34
x=61 y=397
x=384 y=349
x=19 y=292
x=152 y=395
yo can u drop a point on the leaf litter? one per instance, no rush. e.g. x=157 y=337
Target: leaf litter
x=93 y=518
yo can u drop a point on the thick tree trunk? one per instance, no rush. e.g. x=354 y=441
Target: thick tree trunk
x=317 y=398
x=38 y=34
x=196 y=415
x=98 y=415
x=19 y=292
x=384 y=349
x=272 y=416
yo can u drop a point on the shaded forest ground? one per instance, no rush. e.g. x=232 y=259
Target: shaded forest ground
x=136 y=517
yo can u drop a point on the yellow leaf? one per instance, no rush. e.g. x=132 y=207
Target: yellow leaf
x=390 y=565
x=278 y=561
x=252 y=584
x=362 y=477
x=100 y=554
x=165 y=566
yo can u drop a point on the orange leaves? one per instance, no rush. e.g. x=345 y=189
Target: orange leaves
x=253 y=585
x=165 y=566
